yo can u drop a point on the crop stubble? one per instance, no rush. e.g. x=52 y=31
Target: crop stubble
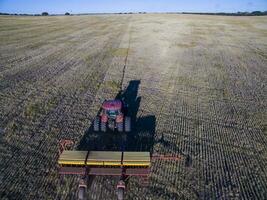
x=202 y=77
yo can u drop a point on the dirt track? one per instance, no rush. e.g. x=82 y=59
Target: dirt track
x=196 y=86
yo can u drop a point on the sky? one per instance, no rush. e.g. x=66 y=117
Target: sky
x=111 y=6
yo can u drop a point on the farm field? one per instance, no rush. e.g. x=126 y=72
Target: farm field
x=196 y=86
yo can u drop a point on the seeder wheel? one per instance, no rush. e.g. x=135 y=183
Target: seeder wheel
x=120 y=193
x=81 y=193
x=120 y=189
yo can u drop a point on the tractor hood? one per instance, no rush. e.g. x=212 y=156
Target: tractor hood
x=112 y=105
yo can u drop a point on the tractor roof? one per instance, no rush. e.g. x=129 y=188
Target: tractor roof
x=112 y=105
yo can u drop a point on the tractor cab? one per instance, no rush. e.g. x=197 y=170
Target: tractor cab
x=113 y=116
x=112 y=108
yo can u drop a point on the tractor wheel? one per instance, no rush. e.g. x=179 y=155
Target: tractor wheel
x=103 y=127
x=127 y=124
x=120 y=126
x=96 y=124
x=81 y=193
x=120 y=193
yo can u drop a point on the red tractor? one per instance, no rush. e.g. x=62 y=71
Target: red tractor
x=113 y=115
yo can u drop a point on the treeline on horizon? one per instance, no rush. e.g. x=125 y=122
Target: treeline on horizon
x=254 y=13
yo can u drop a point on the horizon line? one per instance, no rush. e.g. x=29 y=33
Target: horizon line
x=134 y=12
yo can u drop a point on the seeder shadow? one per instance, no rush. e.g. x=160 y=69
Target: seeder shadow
x=142 y=136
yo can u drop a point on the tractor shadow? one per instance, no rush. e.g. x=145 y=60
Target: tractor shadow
x=141 y=138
